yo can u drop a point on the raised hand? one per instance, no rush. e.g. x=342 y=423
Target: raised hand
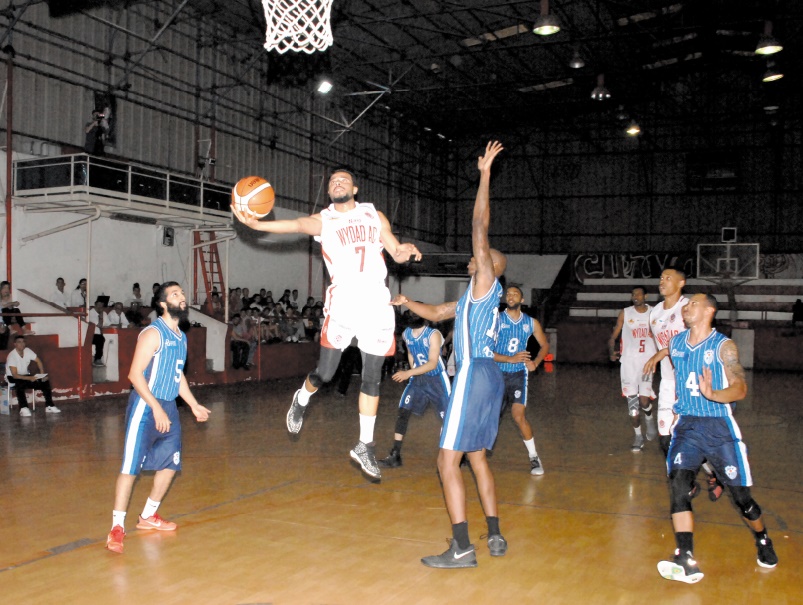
x=399 y=300
x=492 y=149
x=248 y=220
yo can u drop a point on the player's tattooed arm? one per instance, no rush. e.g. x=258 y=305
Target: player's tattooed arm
x=737 y=386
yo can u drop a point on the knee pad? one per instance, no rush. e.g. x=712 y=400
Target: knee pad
x=402 y=420
x=681 y=485
x=371 y=374
x=327 y=366
x=632 y=405
x=648 y=409
x=744 y=501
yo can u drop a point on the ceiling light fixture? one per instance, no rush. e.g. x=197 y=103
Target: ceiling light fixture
x=767 y=43
x=633 y=129
x=577 y=61
x=324 y=86
x=546 y=24
x=772 y=73
x=600 y=93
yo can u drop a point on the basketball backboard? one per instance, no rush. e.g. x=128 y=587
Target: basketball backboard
x=735 y=261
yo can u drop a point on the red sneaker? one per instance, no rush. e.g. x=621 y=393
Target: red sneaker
x=155 y=522
x=114 y=541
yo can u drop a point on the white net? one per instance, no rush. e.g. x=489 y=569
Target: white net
x=298 y=25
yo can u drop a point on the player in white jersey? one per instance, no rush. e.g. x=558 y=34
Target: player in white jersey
x=709 y=379
x=635 y=350
x=472 y=418
x=666 y=320
x=153 y=430
x=352 y=237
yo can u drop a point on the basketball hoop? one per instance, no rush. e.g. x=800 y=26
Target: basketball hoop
x=298 y=25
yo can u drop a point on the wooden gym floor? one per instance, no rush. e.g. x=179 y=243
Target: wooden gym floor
x=264 y=518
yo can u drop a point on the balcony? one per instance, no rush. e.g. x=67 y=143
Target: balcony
x=79 y=183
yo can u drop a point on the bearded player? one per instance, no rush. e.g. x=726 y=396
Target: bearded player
x=352 y=236
x=153 y=430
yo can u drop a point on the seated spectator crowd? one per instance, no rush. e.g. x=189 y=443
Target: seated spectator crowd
x=258 y=319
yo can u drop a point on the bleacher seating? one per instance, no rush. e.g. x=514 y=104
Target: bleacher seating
x=767 y=301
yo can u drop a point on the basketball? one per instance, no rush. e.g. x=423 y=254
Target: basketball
x=253 y=196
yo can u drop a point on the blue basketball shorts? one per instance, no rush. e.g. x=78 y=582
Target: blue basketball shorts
x=472 y=418
x=717 y=440
x=146 y=448
x=515 y=387
x=422 y=391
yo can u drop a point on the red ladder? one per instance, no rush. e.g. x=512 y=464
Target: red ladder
x=207 y=259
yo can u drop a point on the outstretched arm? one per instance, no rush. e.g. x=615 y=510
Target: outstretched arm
x=481 y=220
x=310 y=225
x=399 y=252
x=434 y=313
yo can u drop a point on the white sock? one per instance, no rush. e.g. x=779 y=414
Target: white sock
x=707 y=468
x=637 y=430
x=367 y=428
x=304 y=395
x=150 y=508
x=530 y=445
x=118 y=518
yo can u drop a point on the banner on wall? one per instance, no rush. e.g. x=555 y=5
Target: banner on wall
x=650 y=266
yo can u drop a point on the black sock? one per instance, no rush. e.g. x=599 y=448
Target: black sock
x=664 y=441
x=460 y=534
x=685 y=541
x=493 y=526
x=761 y=535
x=397 y=443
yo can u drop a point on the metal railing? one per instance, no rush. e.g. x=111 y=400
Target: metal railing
x=82 y=173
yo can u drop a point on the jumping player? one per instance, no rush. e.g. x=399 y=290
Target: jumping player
x=710 y=379
x=429 y=383
x=352 y=237
x=472 y=418
x=635 y=350
x=153 y=430
x=515 y=328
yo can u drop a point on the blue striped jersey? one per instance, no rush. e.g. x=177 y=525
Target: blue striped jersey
x=512 y=339
x=418 y=347
x=164 y=371
x=475 y=324
x=689 y=362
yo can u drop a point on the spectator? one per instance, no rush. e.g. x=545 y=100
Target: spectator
x=4 y=334
x=268 y=328
x=295 y=326
x=213 y=306
x=117 y=318
x=134 y=315
x=284 y=301
x=20 y=378
x=99 y=317
x=239 y=342
x=95 y=131
x=136 y=296
x=246 y=298
x=311 y=326
x=235 y=301
x=155 y=297
x=294 y=299
x=10 y=309
x=797 y=313
x=251 y=321
x=78 y=296
x=310 y=304
x=59 y=296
